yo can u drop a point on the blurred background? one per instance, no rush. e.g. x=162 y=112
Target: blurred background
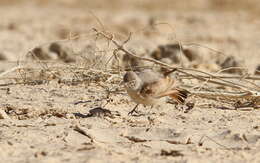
x=230 y=26
x=251 y=6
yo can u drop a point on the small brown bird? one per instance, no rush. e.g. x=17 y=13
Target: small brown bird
x=148 y=87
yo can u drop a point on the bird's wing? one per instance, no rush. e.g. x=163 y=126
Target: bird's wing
x=165 y=87
x=148 y=76
x=157 y=88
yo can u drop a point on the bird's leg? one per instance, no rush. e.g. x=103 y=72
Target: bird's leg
x=133 y=110
x=151 y=107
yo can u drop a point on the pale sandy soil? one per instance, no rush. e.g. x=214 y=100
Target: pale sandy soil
x=42 y=121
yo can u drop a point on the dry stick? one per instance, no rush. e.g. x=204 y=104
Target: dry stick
x=231 y=84
x=227 y=77
x=226 y=95
x=210 y=81
x=225 y=147
x=17 y=83
x=252 y=83
x=198 y=45
x=241 y=77
x=83 y=132
x=231 y=68
x=181 y=55
x=121 y=47
x=223 y=77
x=11 y=70
x=234 y=85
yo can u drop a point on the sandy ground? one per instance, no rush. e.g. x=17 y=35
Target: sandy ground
x=64 y=119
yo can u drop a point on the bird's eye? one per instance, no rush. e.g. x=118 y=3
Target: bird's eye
x=125 y=79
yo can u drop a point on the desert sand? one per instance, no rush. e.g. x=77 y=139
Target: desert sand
x=61 y=97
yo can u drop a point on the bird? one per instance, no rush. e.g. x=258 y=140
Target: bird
x=147 y=87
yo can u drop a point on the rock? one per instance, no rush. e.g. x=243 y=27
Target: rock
x=171 y=51
x=176 y=53
x=257 y=70
x=2 y=56
x=230 y=62
x=99 y=112
x=208 y=67
x=63 y=53
x=191 y=54
x=39 y=53
x=130 y=62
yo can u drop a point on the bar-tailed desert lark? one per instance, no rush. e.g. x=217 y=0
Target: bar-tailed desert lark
x=148 y=87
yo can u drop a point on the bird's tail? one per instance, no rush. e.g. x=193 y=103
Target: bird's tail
x=179 y=95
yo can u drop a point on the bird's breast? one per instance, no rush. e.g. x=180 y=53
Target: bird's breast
x=139 y=99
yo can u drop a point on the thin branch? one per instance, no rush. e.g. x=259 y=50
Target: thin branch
x=242 y=95
x=11 y=70
x=224 y=77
